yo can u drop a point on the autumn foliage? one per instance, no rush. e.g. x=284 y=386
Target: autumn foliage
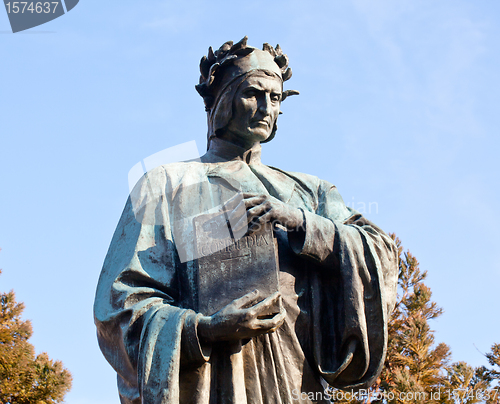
x=26 y=378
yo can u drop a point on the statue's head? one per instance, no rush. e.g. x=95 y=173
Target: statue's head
x=231 y=76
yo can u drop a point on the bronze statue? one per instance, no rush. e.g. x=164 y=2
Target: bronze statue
x=337 y=271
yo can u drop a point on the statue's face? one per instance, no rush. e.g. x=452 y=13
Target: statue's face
x=256 y=107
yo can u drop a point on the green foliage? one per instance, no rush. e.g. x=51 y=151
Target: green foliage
x=26 y=378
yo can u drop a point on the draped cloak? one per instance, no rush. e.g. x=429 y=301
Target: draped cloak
x=337 y=279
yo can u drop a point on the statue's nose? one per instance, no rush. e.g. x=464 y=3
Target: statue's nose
x=265 y=104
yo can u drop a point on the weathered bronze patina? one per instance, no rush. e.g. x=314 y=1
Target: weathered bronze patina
x=325 y=319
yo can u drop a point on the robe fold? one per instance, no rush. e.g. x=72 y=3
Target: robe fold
x=337 y=278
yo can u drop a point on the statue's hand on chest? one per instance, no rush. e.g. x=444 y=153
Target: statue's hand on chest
x=256 y=210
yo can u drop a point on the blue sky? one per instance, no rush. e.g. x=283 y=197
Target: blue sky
x=397 y=108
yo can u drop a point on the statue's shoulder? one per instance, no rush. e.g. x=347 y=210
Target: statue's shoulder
x=327 y=199
x=306 y=181
x=182 y=166
x=180 y=171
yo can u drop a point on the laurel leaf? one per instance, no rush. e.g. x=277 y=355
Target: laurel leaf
x=211 y=57
x=204 y=66
x=288 y=93
x=243 y=52
x=287 y=74
x=281 y=61
x=223 y=50
x=269 y=48
x=239 y=45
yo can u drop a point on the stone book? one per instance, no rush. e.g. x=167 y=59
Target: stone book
x=229 y=268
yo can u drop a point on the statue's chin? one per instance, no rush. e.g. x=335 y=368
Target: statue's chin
x=246 y=137
x=261 y=136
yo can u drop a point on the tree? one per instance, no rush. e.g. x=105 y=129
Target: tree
x=414 y=363
x=466 y=385
x=494 y=360
x=26 y=378
x=416 y=369
x=490 y=375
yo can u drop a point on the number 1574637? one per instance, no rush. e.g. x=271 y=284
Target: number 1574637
x=31 y=7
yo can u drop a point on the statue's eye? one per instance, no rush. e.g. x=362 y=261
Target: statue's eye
x=249 y=93
x=275 y=97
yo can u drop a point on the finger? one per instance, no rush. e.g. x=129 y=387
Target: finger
x=275 y=212
x=265 y=304
x=254 y=201
x=247 y=300
x=256 y=213
x=256 y=223
x=247 y=195
x=257 y=217
x=251 y=206
x=273 y=323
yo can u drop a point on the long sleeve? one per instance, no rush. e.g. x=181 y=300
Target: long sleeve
x=337 y=282
x=354 y=292
x=142 y=329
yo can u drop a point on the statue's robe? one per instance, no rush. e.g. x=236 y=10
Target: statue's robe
x=337 y=278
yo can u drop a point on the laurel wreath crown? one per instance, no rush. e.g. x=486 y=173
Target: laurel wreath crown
x=225 y=55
